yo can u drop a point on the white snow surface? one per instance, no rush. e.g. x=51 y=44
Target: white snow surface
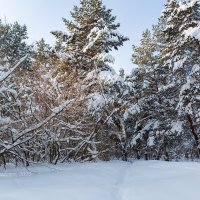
x=140 y=180
x=185 y=4
x=193 y=32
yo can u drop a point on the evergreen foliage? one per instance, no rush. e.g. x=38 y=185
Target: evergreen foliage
x=13 y=44
x=71 y=105
x=92 y=32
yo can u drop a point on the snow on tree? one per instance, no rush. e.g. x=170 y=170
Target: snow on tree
x=92 y=32
x=108 y=103
x=146 y=104
x=13 y=44
x=66 y=102
x=181 y=32
x=144 y=55
x=86 y=49
x=29 y=101
x=165 y=87
x=25 y=121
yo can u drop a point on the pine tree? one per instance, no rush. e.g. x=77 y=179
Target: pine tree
x=13 y=44
x=42 y=54
x=91 y=36
x=92 y=32
x=147 y=99
x=153 y=136
x=181 y=58
x=144 y=55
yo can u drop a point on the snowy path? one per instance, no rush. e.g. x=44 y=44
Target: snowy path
x=151 y=180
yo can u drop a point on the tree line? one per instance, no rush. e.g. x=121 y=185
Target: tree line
x=65 y=103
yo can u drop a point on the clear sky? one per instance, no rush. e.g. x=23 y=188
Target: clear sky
x=43 y=16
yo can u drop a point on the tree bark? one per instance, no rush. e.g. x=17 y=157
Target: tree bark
x=195 y=136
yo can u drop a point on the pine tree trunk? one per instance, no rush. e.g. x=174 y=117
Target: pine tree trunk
x=195 y=136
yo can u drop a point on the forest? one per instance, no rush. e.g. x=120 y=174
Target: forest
x=65 y=102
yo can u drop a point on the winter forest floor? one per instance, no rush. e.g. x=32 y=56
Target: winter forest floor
x=151 y=180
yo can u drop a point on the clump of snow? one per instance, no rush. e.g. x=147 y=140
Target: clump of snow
x=105 y=57
x=193 y=32
x=151 y=125
x=106 y=76
x=165 y=87
x=187 y=85
x=65 y=56
x=177 y=127
x=151 y=141
x=185 y=4
x=134 y=109
x=96 y=102
x=60 y=107
x=94 y=35
x=195 y=69
x=179 y=64
x=110 y=77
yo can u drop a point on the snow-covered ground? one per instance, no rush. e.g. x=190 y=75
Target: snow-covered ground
x=151 y=180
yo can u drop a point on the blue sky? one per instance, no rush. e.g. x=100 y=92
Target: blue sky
x=43 y=16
